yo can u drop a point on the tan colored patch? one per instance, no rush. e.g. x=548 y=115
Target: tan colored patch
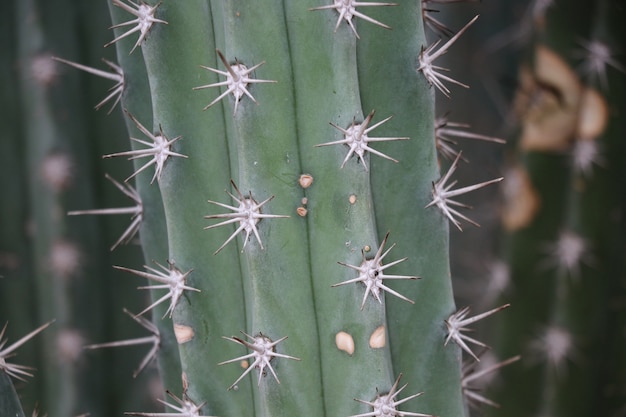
x=244 y=364
x=305 y=180
x=548 y=102
x=594 y=115
x=378 y=338
x=521 y=200
x=345 y=342
x=183 y=377
x=183 y=333
x=304 y=201
x=352 y=199
x=301 y=211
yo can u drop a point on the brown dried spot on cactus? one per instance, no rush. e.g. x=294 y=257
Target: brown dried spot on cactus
x=305 y=180
x=378 y=338
x=594 y=114
x=593 y=120
x=263 y=352
x=347 y=11
x=385 y=405
x=145 y=19
x=548 y=102
x=371 y=274
x=183 y=333
x=247 y=213
x=237 y=80
x=344 y=342
x=521 y=200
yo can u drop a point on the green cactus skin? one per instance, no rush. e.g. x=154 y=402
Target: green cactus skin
x=185 y=193
x=9 y=402
x=286 y=288
x=399 y=191
x=153 y=230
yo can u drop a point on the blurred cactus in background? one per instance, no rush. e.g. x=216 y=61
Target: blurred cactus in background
x=281 y=176
x=563 y=214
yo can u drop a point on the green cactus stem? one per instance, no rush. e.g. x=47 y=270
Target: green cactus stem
x=299 y=263
x=9 y=401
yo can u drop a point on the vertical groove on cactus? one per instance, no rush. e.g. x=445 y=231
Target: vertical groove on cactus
x=339 y=216
x=136 y=100
x=420 y=337
x=267 y=164
x=185 y=186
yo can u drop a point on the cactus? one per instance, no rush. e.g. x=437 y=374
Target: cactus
x=568 y=161
x=292 y=190
x=271 y=132
x=9 y=402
